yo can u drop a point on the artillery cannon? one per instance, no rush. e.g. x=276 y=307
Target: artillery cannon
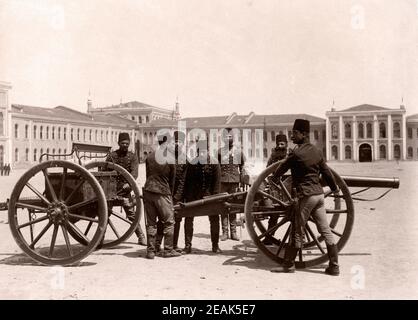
x=59 y=201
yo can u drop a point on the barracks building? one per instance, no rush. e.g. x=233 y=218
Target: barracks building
x=361 y=133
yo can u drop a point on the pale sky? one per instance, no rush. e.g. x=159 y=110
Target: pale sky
x=287 y=56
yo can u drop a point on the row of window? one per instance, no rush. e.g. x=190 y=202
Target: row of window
x=41 y=151
x=411 y=133
x=382 y=152
x=79 y=134
x=365 y=131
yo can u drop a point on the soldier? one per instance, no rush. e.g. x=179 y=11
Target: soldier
x=306 y=164
x=158 y=204
x=202 y=179
x=232 y=162
x=178 y=194
x=129 y=161
x=278 y=153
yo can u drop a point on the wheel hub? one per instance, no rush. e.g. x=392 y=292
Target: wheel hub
x=58 y=213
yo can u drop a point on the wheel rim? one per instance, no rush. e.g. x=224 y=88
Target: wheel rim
x=45 y=202
x=340 y=214
x=119 y=227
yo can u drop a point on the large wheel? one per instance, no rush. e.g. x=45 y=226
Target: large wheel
x=120 y=226
x=44 y=206
x=263 y=203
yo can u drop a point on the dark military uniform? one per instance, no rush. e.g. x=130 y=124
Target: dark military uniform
x=158 y=203
x=232 y=163
x=202 y=180
x=129 y=161
x=276 y=155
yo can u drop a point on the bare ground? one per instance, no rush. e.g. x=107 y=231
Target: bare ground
x=379 y=261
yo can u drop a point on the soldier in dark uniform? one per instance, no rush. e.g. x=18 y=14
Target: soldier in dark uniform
x=158 y=204
x=232 y=163
x=129 y=161
x=178 y=194
x=202 y=179
x=278 y=153
x=307 y=164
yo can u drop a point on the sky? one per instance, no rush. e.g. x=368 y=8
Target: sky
x=216 y=57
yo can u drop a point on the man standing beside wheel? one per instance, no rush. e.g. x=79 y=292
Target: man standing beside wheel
x=278 y=153
x=129 y=161
x=307 y=164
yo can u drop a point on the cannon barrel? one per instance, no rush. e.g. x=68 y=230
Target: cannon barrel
x=219 y=197
x=371 y=182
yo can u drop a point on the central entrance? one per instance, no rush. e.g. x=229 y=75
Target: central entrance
x=365 y=153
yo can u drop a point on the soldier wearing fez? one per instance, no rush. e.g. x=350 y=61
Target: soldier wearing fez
x=306 y=164
x=278 y=153
x=232 y=161
x=202 y=179
x=158 y=190
x=129 y=161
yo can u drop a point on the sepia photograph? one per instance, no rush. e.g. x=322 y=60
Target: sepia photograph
x=209 y=150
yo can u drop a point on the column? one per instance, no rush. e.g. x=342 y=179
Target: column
x=375 y=134
x=354 y=135
x=404 y=136
x=327 y=133
x=69 y=146
x=389 y=148
x=340 y=137
x=30 y=124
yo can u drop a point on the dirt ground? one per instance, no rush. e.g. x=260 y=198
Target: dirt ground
x=379 y=261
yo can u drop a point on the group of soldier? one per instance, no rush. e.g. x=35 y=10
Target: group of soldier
x=4 y=169
x=172 y=182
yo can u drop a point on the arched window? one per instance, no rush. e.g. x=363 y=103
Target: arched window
x=26 y=131
x=27 y=154
x=382 y=151
x=35 y=156
x=334 y=152
x=382 y=130
x=360 y=130
x=53 y=151
x=16 y=155
x=396 y=130
x=41 y=132
x=107 y=136
x=47 y=133
x=16 y=131
x=59 y=133
x=397 y=151
x=59 y=152
x=34 y=132
x=95 y=136
x=101 y=136
x=410 y=153
x=65 y=133
x=347 y=130
x=78 y=134
x=72 y=134
x=348 y=152
x=85 y=134
x=369 y=129
x=334 y=131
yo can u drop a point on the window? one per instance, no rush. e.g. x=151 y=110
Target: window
x=397 y=151
x=265 y=135
x=369 y=130
x=53 y=133
x=273 y=136
x=59 y=152
x=16 y=131
x=146 y=119
x=27 y=154
x=65 y=133
x=410 y=153
x=41 y=132
x=26 y=132
x=85 y=134
x=35 y=156
x=90 y=134
x=382 y=151
x=47 y=133
x=133 y=118
x=360 y=132
x=72 y=134
x=78 y=134
x=1 y=124
x=107 y=136
x=347 y=130
x=101 y=136
x=95 y=136
x=334 y=153
x=53 y=151
x=324 y=135
x=334 y=131
x=409 y=133
x=348 y=152
x=16 y=155
x=396 y=130
x=265 y=152
x=382 y=130
x=59 y=133
x=34 y=132
x=140 y=119
x=316 y=134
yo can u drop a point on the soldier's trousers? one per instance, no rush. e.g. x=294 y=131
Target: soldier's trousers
x=159 y=207
x=214 y=230
x=311 y=206
x=176 y=232
x=225 y=216
x=130 y=215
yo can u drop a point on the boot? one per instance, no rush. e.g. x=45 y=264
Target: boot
x=216 y=249
x=224 y=223
x=288 y=265
x=141 y=237
x=333 y=267
x=224 y=235
x=234 y=236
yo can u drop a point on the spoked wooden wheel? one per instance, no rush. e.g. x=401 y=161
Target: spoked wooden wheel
x=263 y=204
x=124 y=206
x=43 y=208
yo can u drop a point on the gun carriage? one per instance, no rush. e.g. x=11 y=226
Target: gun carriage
x=80 y=200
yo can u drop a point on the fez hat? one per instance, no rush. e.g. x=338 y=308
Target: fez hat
x=281 y=138
x=301 y=125
x=123 y=136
